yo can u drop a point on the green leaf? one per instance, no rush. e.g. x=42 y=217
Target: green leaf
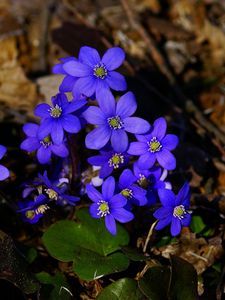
x=133 y=254
x=155 y=283
x=183 y=280
x=197 y=224
x=60 y=289
x=123 y=289
x=90 y=265
x=63 y=237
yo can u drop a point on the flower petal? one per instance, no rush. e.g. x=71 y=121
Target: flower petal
x=183 y=194
x=4 y=172
x=159 y=128
x=163 y=223
x=163 y=212
x=110 y=224
x=30 y=144
x=45 y=128
x=119 y=140
x=117 y=201
x=175 y=226
x=126 y=179
x=186 y=220
x=105 y=171
x=98 y=137
x=113 y=58
x=140 y=195
x=93 y=194
x=77 y=69
x=122 y=215
x=97 y=160
x=116 y=81
x=170 y=141
x=136 y=125
x=94 y=115
x=67 y=84
x=60 y=150
x=31 y=129
x=57 y=132
x=137 y=148
x=167 y=197
x=105 y=100
x=166 y=159
x=89 y=56
x=85 y=85
x=43 y=155
x=71 y=123
x=126 y=105
x=42 y=110
x=3 y=150
x=108 y=188
x=74 y=105
x=93 y=209
x=146 y=160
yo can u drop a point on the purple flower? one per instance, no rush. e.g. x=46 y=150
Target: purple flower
x=58 y=118
x=174 y=210
x=45 y=147
x=32 y=211
x=107 y=205
x=56 y=192
x=113 y=120
x=109 y=161
x=155 y=146
x=4 y=172
x=96 y=74
x=67 y=85
x=152 y=180
x=133 y=193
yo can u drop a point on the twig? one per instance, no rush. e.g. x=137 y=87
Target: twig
x=149 y=236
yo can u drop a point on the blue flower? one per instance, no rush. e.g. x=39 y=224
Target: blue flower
x=109 y=161
x=45 y=147
x=56 y=192
x=96 y=74
x=133 y=193
x=155 y=146
x=58 y=118
x=174 y=210
x=152 y=180
x=4 y=172
x=113 y=120
x=108 y=206
x=32 y=211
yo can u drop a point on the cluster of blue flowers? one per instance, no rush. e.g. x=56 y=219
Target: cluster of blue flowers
x=114 y=131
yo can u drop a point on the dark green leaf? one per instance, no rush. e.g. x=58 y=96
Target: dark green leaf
x=183 y=280
x=197 y=224
x=60 y=289
x=133 y=254
x=155 y=283
x=123 y=289
x=62 y=238
x=90 y=265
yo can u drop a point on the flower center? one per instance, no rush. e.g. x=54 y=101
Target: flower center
x=179 y=212
x=55 y=111
x=115 y=122
x=51 y=194
x=127 y=193
x=154 y=145
x=30 y=214
x=103 y=209
x=41 y=209
x=100 y=71
x=46 y=142
x=143 y=181
x=116 y=160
